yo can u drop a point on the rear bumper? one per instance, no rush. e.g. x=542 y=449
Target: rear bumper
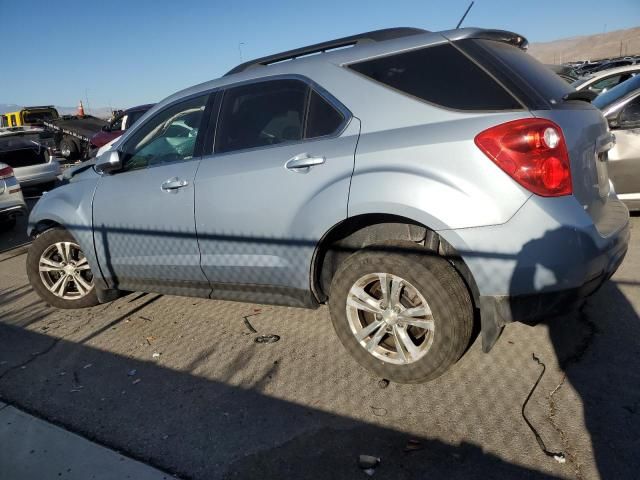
x=543 y=262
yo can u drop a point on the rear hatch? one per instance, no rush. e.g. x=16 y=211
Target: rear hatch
x=542 y=92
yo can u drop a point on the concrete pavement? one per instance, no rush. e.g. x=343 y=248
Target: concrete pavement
x=32 y=449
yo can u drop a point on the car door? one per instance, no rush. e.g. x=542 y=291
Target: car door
x=624 y=157
x=144 y=228
x=277 y=181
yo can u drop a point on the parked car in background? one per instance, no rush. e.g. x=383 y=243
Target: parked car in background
x=604 y=80
x=11 y=199
x=565 y=72
x=621 y=108
x=33 y=163
x=620 y=62
x=480 y=192
x=116 y=127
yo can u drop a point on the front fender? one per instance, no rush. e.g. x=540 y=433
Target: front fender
x=69 y=206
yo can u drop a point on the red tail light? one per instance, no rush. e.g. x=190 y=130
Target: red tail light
x=533 y=152
x=6 y=172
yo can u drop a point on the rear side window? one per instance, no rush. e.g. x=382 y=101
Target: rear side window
x=323 y=118
x=441 y=75
x=528 y=79
x=261 y=114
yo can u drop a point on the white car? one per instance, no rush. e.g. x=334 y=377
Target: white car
x=32 y=162
x=11 y=199
x=600 y=82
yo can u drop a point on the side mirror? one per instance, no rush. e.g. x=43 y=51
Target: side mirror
x=629 y=117
x=108 y=162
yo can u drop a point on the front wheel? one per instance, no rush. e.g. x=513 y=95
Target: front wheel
x=59 y=271
x=406 y=317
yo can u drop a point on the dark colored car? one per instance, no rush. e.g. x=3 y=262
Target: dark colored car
x=118 y=126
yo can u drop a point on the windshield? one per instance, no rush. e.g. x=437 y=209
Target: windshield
x=605 y=99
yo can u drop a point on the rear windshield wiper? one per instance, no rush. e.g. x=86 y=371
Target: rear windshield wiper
x=584 y=95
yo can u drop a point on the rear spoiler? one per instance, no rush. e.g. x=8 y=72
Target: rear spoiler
x=481 y=34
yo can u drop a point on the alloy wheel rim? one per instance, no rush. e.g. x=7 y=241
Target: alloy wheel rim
x=65 y=272
x=390 y=318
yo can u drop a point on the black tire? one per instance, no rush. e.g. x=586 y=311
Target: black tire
x=7 y=224
x=37 y=248
x=69 y=149
x=442 y=288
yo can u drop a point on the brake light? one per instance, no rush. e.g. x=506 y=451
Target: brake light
x=6 y=172
x=533 y=152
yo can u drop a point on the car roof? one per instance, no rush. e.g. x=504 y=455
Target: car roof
x=356 y=52
x=138 y=108
x=613 y=71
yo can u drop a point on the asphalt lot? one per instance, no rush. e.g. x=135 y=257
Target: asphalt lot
x=181 y=384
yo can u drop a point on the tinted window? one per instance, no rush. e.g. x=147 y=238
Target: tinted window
x=519 y=71
x=440 y=75
x=323 y=119
x=264 y=113
x=170 y=136
x=631 y=112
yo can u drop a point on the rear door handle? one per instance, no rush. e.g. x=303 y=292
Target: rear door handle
x=173 y=184
x=303 y=162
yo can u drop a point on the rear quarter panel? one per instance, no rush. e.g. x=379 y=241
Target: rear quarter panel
x=71 y=207
x=434 y=173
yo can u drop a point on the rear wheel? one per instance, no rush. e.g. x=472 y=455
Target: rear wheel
x=68 y=149
x=59 y=271
x=406 y=317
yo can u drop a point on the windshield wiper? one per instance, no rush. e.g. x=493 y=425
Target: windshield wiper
x=584 y=95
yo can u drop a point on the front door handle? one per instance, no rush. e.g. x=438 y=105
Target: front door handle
x=173 y=184
x=303 y=162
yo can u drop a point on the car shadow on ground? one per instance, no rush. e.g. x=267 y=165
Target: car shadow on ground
x=173 y=410
x=598 y=349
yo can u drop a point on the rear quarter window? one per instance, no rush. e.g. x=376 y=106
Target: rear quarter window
x=533 y=83
x=441 y=75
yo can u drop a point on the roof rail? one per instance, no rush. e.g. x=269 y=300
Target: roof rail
x=374 y=36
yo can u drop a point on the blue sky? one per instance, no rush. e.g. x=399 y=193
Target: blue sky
x=124 y=53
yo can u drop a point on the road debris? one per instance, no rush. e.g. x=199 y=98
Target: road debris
x=132 y=372
x=156 y=355
x=88 y=365
x=136 y=381
x=248 y=324
x=557 y=456
x=378 y=411
x=413 y=445
x=368 y=463
x=267 y=338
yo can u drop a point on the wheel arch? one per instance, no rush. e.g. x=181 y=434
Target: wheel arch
x=385 y=231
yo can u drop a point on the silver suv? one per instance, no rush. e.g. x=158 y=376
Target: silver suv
x=417 y=182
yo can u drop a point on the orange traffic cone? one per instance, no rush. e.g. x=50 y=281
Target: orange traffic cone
x=80 y=109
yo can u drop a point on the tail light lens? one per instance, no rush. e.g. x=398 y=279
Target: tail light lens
x=533 y=152
x=6 y=172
